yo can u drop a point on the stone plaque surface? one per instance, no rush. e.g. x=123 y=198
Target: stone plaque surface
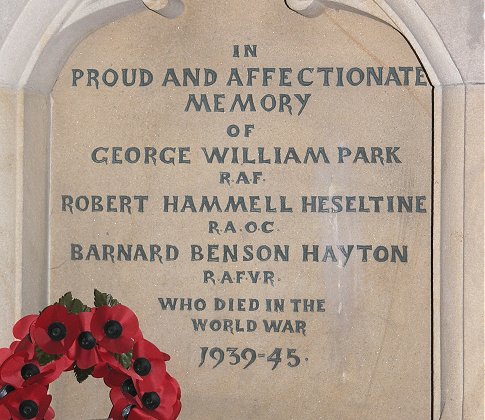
x=257 y=187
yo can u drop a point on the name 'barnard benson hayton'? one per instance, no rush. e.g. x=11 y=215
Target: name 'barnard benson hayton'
x=234 y=253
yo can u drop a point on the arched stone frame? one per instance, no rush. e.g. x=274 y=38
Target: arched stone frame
x=44 y=36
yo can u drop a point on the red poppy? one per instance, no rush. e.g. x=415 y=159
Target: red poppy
x=148 y=362
x=23 y=325
x=21 y=370
x=115 y=328
x=4 y=413
x=50 y=414
x=161 y=402
x=23 y=346
x=111 y=370
x=86 y=350
x=5 y=388
x=120 y=380
x=172 y=388
x=5 y=353
x=116 y=375
x=125 y=390
x=124 y=408
x=55 y=330
x=122 y=388
x=29 y=403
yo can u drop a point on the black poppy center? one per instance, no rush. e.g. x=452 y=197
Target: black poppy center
x=28 y=409
x=29 y=370
x=129 y=388
x=113 y=329
x=142 y=366
x=86 y=340
x=150 y=400
x=7 y=389
x=57 y=331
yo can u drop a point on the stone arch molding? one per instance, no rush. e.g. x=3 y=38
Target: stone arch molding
x=45 y=33
x=32 y=55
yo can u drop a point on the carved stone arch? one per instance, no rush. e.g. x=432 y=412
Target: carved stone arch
x=409 y=19
x=49 y=32
x=46 y=33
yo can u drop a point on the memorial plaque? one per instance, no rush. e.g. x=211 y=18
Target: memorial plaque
x=256 y=185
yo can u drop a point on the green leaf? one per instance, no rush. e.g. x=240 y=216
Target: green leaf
x=103 y=299
x=73 y=306
x=82 y=374
x=44 y=358
x=66 y=300
x=124 y=359
x=77 y=306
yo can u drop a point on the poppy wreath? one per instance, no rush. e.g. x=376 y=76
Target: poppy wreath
x=104 y=342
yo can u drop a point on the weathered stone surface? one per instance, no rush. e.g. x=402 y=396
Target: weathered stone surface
x=37 y=37
x=369 y=351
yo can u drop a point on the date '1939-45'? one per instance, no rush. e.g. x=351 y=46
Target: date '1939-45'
x=248 y=355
